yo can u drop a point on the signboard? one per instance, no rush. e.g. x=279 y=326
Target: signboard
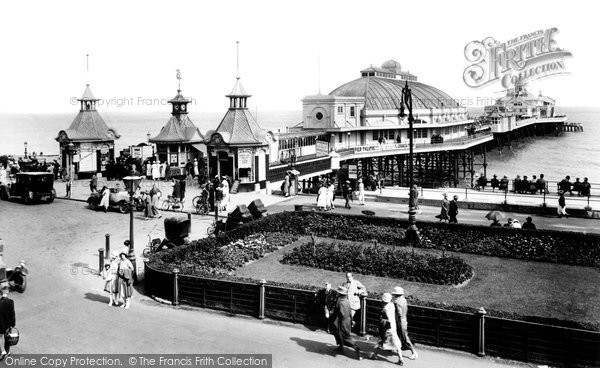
x=322 y=148
x=182 y=158
x=173 y=158
x=244 y=159
x=141 y=152
x=352 y=171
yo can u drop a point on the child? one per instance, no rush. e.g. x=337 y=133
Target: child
x=107 y=276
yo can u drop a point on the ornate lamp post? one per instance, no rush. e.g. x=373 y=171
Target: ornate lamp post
x=412 y=233
x=132 y=183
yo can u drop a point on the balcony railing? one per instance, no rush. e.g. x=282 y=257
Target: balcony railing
x=405 y=146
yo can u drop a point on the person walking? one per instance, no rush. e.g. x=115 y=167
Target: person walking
x=155 y=171
x=562 y=204
x=125 y=280
x=331 y=195
x=285 y=186
x=7 y=321
x=196 y=169
x=68 y=183
x=105 y=198
x=388 y=331
x=346 y=193
x=323 y=198
x=528 y=225
x=94 y=183
x=342 y=322
x=361 y=192
x=401 y=307
x=355 y=290
x=181 y=189
x=453 y=210
x=445 y=207
x=155 y=194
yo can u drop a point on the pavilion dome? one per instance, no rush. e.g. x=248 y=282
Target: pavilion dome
x=386 y=93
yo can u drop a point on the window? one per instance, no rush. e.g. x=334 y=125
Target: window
x=340 y=138
x=352 y=111
x=340 y=109
x=420 y=133
x=319 y=116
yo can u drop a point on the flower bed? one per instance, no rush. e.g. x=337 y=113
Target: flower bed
x=381 y=261
x=207 y=257
x=541 y=245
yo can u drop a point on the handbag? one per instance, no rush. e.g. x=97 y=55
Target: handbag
x=12 y=336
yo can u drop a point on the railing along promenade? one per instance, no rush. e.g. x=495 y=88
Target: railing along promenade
x=471 y=332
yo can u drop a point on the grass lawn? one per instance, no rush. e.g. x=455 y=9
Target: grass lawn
x=524 y=287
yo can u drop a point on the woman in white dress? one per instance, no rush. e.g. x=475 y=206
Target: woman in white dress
x=322 y=198
x=105 y=199
x=388 y=330
x=155 y=171
x=330 y=195
x=361 y=192
x=226 y=196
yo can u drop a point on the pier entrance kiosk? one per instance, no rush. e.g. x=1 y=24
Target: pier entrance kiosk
x=238 y=148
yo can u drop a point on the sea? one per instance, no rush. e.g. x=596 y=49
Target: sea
x=573 y=153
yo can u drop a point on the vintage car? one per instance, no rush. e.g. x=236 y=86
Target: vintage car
x=118 y=199
x=30 y=186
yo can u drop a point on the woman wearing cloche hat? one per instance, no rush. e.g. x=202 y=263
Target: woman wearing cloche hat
x=401 y=311
x=388 y=332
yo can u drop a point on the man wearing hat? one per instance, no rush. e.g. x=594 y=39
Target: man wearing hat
x=342 y=322
x=7 y=320
x=346 y=193
x=453 y=210
x=401 y=311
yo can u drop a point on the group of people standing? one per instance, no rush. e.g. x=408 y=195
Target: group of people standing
x=340 y=306
x=326 y=194
x=118 y=279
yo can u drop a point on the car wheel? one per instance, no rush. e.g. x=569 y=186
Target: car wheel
x=93 y=204
x=123 y=207
x=50 y=199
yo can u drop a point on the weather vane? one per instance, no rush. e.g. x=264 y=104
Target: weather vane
x=178 y=78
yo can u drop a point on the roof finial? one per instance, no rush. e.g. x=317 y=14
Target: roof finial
x=87 y=69
x=178 y=76
x=237 y=72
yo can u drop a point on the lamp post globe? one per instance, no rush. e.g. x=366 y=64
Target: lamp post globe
x=132 y=183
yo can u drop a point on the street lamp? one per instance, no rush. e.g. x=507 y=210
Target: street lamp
x=412 y=233
x=132 y=183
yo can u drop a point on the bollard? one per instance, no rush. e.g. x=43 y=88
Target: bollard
x=363 y=315
x=107 y=246
x=481 y=332
x=175 y=286
x=190 y=220
x=506 y=195
x=261 y=299
x=466 y=196
x=100 y=261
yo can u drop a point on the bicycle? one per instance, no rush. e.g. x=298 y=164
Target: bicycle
x=172 y=203
x=200 y=203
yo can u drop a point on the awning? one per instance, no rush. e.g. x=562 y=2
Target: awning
x=199 y=146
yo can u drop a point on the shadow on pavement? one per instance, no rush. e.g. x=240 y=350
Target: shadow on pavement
x=317 y=346
x=97 y=297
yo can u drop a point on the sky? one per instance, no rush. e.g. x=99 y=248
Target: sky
x=287 y=49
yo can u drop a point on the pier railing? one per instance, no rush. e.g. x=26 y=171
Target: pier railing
x=471 y=332
x=404 y=147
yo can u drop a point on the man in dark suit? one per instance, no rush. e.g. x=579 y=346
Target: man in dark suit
x=342 y=322
x=7 y=320
x=326 y=298
x=453 y=211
